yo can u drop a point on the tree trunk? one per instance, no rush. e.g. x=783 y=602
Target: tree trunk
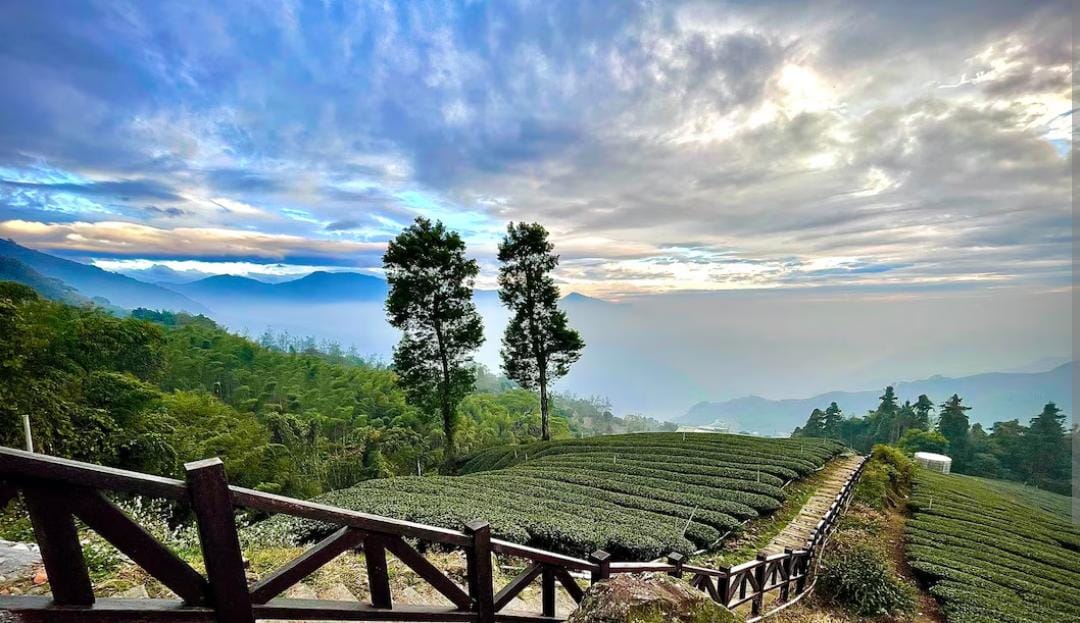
x=545 y=427
x=444 y=399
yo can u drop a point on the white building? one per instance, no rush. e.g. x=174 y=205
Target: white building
x=935 y=462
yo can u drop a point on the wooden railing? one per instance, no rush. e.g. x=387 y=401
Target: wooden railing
x=57 y=491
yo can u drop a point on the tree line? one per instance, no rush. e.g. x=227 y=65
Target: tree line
x=1038 y=453
x=150 y=390
x=430 y=300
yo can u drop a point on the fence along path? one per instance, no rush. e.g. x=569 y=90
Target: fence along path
x=57 y=491
x=799 y=530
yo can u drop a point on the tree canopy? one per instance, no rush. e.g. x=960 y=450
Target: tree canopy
x=430 y=301
x=538 y=345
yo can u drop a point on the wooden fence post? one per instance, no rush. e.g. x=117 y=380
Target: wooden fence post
x=789 y=566
x=547 y=584
x=54 y=529
x=759 y=579
x=603 y=563
x=723 y=586
x=480 y=580
x=212 y=503
x=378 y=578
x=675 y=559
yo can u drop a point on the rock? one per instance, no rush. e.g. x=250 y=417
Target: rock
x=337 y=592
x=40 y=577
x=410 y=596
x=300 y=591
x=135 y=592
x=648 y=598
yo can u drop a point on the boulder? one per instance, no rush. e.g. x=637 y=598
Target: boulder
x=648 y=598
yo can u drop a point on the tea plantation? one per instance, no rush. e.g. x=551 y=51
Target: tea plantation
x=991 y=552
x=636 y=496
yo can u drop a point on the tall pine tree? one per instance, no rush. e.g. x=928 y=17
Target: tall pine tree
x=430 y=301
x=539 y=346
x=953 y=425
x=923 y=406
x=834 y=417
x=1048 y=448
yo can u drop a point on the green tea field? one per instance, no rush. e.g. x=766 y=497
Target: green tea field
x=636 y=496
x=991 y=553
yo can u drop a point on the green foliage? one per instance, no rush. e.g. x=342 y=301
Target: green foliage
x=69 y=389
x=430 y=301
x=916 y=440
x=954 y=426
x=633 y=495
x=855 y=575
x=538 y=345
x=158 y=389
x=989 y=556
x=1038 y=454
x=886 y=478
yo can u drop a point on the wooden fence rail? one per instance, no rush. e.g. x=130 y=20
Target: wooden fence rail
x=57 y=491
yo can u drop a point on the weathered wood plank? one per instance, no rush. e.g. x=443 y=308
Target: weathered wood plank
x=209 y=493
x=305 y=564
x=547 y=591
x=27 y=468
x=480 y=573
x=41 y=609
x=429 y=572
x=569 y=583
x=378 y=578
x=103 y=517
x=516 y=585
x=54 y=530
x=270 y=503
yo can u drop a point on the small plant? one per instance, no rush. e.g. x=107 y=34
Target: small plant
x=856 y=576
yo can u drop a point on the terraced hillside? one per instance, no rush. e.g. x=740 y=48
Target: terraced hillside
x=636 y=496
x=993 y=556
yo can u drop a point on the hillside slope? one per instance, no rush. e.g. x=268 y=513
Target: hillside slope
x=12 y=269
x=91 y=281
x=989 y=556
x=637 y=496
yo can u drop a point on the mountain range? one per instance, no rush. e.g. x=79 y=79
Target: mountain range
x=316 y=287
x=91 y=281
x=655 y=355
x=993 y=397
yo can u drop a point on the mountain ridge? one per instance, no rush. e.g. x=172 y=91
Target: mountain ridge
x=993 y=396
x=91 y=281
x=318 y=286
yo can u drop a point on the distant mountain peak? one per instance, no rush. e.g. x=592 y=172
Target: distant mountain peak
x=91 y=281
x=319 y=286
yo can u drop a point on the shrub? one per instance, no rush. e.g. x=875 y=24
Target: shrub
x=887 y=476
x=856 y=576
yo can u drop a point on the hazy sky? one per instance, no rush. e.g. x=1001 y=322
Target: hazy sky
x=866 y=146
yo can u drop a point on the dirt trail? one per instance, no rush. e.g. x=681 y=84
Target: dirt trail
x=796 y=533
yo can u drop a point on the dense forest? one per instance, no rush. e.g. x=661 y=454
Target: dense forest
x=1037 y=454
x=155 y=389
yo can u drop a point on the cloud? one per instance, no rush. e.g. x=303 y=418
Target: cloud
x=921 y=140
x=119 y=239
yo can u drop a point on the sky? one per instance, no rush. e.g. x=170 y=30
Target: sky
x=868 y=148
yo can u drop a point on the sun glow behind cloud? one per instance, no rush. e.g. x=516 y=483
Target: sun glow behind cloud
x=667 y=147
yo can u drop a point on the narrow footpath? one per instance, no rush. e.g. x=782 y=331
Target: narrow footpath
x=796 y=533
